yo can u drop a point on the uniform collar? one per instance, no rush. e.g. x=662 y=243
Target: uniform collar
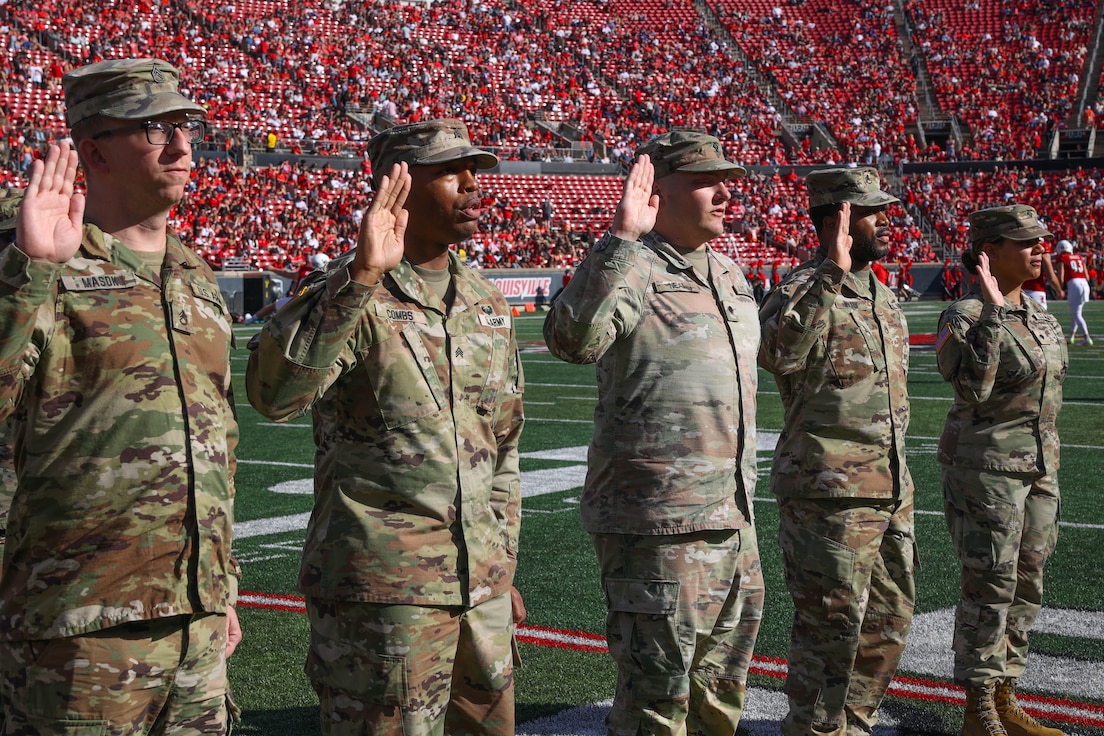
x=468 y=290
x=102 y=246
x=669 y=253
x=862 y=284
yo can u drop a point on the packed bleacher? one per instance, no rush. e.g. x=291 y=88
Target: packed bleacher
x=1010 y=70
x=1070 y=203
x=584 y=81
x=839 y=64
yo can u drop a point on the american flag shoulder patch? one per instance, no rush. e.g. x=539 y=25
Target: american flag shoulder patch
x=941 y=339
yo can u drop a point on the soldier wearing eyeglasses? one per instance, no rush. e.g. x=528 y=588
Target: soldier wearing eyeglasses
x=118 y=587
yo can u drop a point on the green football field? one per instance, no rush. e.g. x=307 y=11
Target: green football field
x=566 y=672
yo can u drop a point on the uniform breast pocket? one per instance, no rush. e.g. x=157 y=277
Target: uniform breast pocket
x=402 y=377
x=479 y=362
x=208 y=300
x=1020 y=360
x=1047 y=330
x=854 y=354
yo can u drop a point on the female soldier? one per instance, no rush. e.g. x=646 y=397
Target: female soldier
x=1006 y=358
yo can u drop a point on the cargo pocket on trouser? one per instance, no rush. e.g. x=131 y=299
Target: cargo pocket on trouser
x=55 y=694
x=358 y=690
x=642 y=633
x=372 y=677
x=983 y=529
x=1042 y=511
x=819 y=573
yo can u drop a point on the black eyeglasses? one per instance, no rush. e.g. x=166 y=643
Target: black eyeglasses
x=160 y=132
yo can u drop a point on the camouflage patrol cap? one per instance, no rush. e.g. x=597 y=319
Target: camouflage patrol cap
x=688 y=150
x=127 y=89
x=1014 y=221
x=10 y=200
x=860 y=187
x=428 y=142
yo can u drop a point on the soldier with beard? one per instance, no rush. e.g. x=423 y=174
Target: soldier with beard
x=836 y=342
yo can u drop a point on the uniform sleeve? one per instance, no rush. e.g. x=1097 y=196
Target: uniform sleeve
x=968 y=351
x=27 y=287
x=506 y=484
x=306 y=347
x=233 y=435
x=601 y=304
x=795 y=318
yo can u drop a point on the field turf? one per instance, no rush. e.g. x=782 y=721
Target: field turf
x=565 y=671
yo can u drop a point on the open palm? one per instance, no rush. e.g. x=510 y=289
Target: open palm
x=380 y=243
x=51 y=216
x=836 y=239
x=990 y=289
x=636 y=212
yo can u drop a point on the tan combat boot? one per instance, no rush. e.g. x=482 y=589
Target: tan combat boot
x=981 y=713
x=1015 y=721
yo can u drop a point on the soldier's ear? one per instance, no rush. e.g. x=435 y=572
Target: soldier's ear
x=90 y=155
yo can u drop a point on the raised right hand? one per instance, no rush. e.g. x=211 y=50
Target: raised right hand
x=637 y=210
x=836 y=238
x=990 y=291
x=50 y=222
x=380 y=243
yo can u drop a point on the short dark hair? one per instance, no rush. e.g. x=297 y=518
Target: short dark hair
x=970 y=261
x=821 y=211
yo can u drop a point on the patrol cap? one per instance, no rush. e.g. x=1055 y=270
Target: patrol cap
x=10 y=200
x=860 y=186
x=1014 y=221
x=688 y=150
x=427 y=142
x=127 y=89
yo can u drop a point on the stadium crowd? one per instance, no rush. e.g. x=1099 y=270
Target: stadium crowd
x=569 y=81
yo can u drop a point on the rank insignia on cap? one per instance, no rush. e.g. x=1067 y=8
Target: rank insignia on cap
x=157 y=75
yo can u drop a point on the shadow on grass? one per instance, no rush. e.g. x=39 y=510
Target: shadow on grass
x=301 y=721
x=921 y=721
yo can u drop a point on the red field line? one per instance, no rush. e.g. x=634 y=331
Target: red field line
x=915 y=688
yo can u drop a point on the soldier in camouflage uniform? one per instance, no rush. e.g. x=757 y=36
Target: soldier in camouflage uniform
x=836 y=342
x=409 y=362
x=9 y=205
x=673 y=329
x=1006 y=358
x=116 y=603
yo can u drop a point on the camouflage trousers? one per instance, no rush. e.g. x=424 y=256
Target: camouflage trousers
x=412 y=670
x=684 y=612
x=1004 y=527
x=165 y=677
x=849 y=569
